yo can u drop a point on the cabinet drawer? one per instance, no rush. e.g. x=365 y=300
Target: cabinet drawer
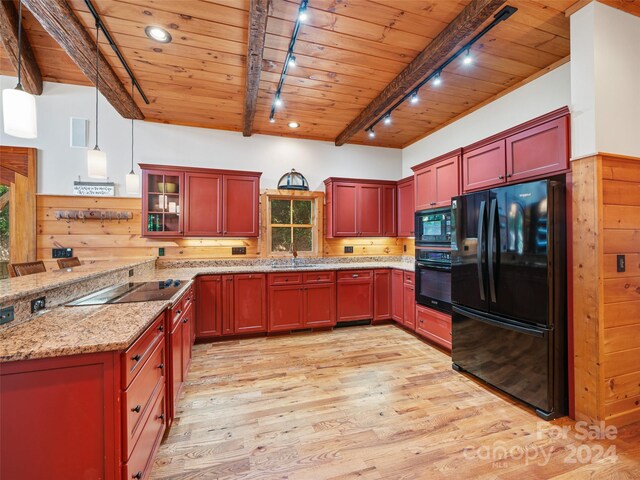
x=137 y=354
x=355 y=275
x=434 y=325
x=409 y=278
x=319 y=277
x=138 y=398
x=141 y=459
x=187 y=299
x=285 y=278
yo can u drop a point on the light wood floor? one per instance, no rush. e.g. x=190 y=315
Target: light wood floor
x=366 y=403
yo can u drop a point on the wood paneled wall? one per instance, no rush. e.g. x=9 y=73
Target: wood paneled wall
x=607 y=302
x=95 y=239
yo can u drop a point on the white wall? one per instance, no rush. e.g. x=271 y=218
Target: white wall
x=606 y=78
x=545 y=94
x=59 y=164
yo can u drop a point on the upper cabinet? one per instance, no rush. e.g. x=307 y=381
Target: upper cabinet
x=406 y=207
x=436 y=181
x=360 y=208
x=199 y=202
x=532 y=150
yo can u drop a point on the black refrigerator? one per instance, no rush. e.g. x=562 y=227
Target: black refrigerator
x=508 y=290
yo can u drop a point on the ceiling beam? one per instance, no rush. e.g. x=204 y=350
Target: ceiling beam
x=258 y=13
x=60 y=22
x=443 y=46
x=31 y=78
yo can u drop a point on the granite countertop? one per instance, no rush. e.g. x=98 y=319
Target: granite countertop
x=13 y=288
x=73 y=330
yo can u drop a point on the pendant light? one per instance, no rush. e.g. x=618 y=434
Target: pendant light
x=132 y=181
x=18 y=106
x=97 y=159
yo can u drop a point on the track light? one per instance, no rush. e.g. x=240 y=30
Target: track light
x=387 y=119
x=292 y=61
x=437 y=80
x=468 y=59
x=302 y=15
x=372 y=134
x=414 y=97
x=272 y=120
x=278 y=102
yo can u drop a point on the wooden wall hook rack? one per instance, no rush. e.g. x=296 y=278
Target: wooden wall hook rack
x=84 y=215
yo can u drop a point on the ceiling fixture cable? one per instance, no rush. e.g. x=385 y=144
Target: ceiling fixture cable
x=290 y=59
x=115 y=48
x=436 y=75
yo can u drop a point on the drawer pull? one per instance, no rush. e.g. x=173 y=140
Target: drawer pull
x=160 y=417
x=179 y=312
x=160 y=328
x=161 y=366
x=355 y=275
x=185 y=320
x=189 y=299
x=137 y=408
x=136 y=357
x=137 y=476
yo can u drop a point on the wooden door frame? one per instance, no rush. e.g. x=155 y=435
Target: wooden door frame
x=18 y=171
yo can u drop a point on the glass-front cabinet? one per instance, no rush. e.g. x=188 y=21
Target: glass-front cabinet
x=162 y=203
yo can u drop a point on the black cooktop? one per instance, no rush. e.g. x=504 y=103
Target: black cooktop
x=131 y=292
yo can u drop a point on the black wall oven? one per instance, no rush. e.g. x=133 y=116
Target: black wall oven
x=433 y=227
x=433 y=279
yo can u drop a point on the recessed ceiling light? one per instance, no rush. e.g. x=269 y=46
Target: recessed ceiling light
x=294 y=124
x=158 y=34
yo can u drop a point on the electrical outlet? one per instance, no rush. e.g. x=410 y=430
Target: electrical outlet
x=621 y=261
x=62 y=252
x=131 y=272
x=405 y=248
x=6 y=315
x=38 y=304
x=161 y=252
x=348 y=249
x=238 y=250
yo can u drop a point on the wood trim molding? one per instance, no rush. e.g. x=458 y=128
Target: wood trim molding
x=258 y=14
x=360 y=181
x=460 y=29
x=30 y=72
x=177 y=168
x=453 y=153
x=58 y=19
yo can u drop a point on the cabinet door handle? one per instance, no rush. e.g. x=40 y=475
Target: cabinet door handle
x=136 y=357
x=161 y=328
x=137 y=476
x=500 y=177
x=185 y=320
x=161 y=366
x=137 y=408
x=355 y=275
x=161 y=416
x=509 y=175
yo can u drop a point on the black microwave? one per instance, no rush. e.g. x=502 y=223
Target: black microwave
x=434 y=226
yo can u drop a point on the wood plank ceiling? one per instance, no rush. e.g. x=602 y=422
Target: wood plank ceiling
x=346 y=53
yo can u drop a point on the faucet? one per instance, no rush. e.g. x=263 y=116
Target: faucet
x=294 y=255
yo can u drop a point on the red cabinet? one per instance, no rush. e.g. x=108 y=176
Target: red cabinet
x=406 y=208
x=209 y=306
x=484 y=167
x=436 y=181
x=434 y=325
x=186 y=323
x=535 y=149
x=382 y=294
x=227 y=314
x=409 y=301
x=240 y=206
x=355 y=295
x=360 y=208
x=397 y=296
x=202 y=189
x=249 y=303
x=301 y=301
x=540 y=150
x=199 y=202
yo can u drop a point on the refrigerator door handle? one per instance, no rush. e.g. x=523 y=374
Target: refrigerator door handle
x=479 y=249
x=490 y=240
x=508 y=326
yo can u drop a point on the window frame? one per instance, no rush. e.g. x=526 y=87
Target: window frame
x=317 y=199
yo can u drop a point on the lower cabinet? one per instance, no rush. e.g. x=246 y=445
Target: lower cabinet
x=434 y=325
x=355 y=295
x=397 y=295
x=97 y=415
x=382 y=294
x=299 y=301
x=409 y=303
x=249 y=303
